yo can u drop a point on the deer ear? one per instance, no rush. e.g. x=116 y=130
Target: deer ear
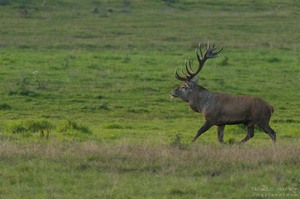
x=192 y=82
x=195 y=80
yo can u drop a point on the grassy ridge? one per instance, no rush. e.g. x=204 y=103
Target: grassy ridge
x=96 y=76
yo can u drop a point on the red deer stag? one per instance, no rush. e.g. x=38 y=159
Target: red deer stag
x=221 y=109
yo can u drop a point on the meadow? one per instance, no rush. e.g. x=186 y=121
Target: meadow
x=85 y=109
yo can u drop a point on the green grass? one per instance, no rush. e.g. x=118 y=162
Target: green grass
x=96 y=77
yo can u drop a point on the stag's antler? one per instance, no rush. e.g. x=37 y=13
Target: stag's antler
x=209 y=53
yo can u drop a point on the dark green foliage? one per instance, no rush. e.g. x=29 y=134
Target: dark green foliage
x=71 y=127
x=18 y=128
x=26 y=128
x=44 y=127
x=5 y=106
x=4 y=2
x=114 y=126
x=37 y=126
x=22 y=87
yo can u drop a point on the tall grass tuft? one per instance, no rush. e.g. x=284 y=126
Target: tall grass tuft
x=72 y=127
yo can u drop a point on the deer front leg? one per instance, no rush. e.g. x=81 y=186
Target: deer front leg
x=204 y=128
x=250 y=134
x=221 y=133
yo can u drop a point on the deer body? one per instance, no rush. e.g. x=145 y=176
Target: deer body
x=222 y=109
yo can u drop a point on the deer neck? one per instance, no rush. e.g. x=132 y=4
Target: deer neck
x=200 y=99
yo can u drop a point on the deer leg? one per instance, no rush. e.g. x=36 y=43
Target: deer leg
x=221 y=133
x=250 y=134
x=204 y=128
x=267 y=129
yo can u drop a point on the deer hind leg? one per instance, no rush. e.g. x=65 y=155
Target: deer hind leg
x=268 y=130
x=221 y=133
x=204 y=128
x=250 y=134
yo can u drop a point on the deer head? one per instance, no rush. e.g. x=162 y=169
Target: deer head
x=187 y=88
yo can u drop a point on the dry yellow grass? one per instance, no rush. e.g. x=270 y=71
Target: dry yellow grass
x=120 y=168
x=164 y=155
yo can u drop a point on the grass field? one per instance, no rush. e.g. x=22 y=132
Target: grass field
x=85 y=108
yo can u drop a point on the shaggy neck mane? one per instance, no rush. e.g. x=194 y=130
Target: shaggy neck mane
x=200 y=98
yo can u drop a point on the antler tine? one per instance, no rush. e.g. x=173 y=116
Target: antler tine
x=200 y=49
x=182 y=71
x=213 y=47
x=207 y=54
x=191 y=65
x=219 y=50
x=212 y=54
x=198 y=56
x=210 y=51
x=179 y=77
x=201 y=53
x=208 y=45
x=202 y=57
x=187 y=67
